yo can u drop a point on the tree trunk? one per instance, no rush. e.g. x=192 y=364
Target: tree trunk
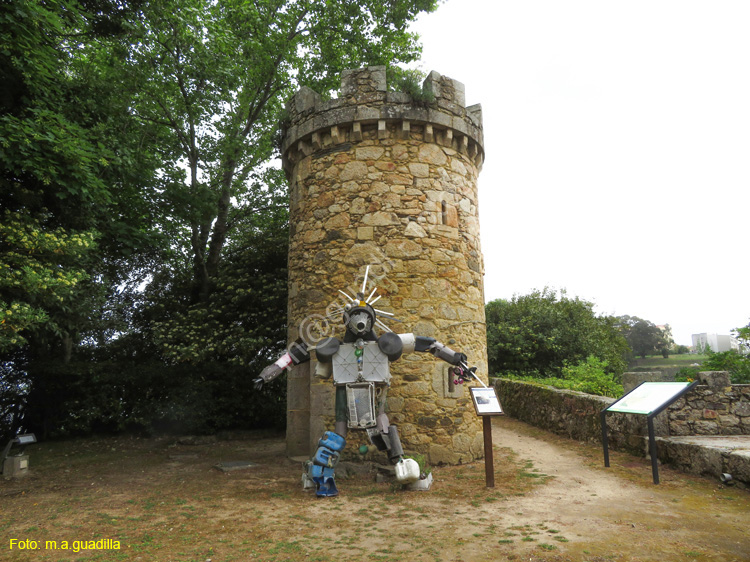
x=221 y=224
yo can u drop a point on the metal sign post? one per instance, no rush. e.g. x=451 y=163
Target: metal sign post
x=649 y=399
x=487 y=405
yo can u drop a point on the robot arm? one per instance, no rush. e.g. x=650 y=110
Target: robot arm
x=296 y=354
x=439 y=350
x=460 y=369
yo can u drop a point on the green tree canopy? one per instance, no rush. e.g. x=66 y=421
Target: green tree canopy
x=214 y=78
x=71 y=210
x=743 y=337
x=644 y=337
x=64 y=168
x=541 y=333
x=137 y=140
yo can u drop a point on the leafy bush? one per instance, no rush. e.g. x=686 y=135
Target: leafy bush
x=542 y=333
x=737 y=365
x=149 y=396
x=687 y=374
x=410 y=82
x=589 y=376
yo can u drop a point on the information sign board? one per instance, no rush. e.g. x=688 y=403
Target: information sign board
x=648 y=397
x=486 y=402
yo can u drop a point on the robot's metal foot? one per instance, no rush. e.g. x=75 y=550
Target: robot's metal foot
x=327 y=488
x=320 y=470
x=407 y=471
x=307 y=482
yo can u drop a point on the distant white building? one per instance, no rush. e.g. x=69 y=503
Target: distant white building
x=716 y=342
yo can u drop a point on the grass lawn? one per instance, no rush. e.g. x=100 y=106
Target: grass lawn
x=657 y=361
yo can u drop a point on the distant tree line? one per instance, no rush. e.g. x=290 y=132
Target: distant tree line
x=546 y=335
x=644 y=337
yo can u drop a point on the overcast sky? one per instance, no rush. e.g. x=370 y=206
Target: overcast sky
x=617 y=141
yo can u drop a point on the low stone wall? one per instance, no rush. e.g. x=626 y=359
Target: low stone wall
x=713 y=408
x=573 y=414
x=712 y=456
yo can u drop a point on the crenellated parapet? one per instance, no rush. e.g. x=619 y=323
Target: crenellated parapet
x=366 y=106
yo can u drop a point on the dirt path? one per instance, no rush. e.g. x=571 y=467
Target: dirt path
x=618 y=510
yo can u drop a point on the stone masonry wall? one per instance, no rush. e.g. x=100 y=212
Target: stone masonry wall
x=379 y=179
x=575 y=415
x=714 y=408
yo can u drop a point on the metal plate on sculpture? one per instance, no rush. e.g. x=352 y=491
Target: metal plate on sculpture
x=648 y=397
x=360 y=399
x=374 y=365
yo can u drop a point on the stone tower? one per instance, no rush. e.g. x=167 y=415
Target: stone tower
x=380 y=179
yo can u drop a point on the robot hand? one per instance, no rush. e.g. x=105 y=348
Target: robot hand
x=463 y=373
x=266 y=375
x=296 y=354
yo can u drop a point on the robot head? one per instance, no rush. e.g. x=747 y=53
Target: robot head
x=359 y=314
x=359 y=319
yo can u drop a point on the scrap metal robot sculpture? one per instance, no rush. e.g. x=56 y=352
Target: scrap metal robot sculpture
x=361 y=375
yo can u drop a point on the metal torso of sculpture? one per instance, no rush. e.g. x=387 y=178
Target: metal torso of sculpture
x=361 y=362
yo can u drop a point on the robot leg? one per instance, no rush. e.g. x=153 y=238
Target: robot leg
x=395 y=451
x=321 y=467
x=341 y=428
x=385 y=438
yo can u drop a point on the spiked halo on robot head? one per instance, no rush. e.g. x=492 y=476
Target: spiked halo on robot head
x=360 y=317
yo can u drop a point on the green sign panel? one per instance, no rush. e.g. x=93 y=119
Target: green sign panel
x=648 y=397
